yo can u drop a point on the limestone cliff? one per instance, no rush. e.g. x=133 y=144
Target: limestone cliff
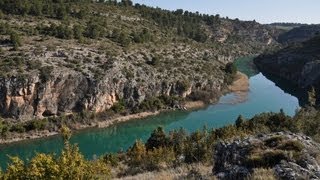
x=298 y=64
x=58 y=63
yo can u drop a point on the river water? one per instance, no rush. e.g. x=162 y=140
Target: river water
x=263 y=96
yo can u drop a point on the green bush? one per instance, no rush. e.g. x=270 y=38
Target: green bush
x=18 y=128
x=266 y=159
x=292 y=145
x=78 y=32
x=15 y=40
x=154 y=61
x=36 y=125
x=119 y=107
x=45 y=73
x=4 y=129
x=94 y=30
x=151 y=104
x=63 y=32
x=157 y=139
x=183 y=85
x=231 y=68
x=239 y=122
x=274 y=141
x=111 y=159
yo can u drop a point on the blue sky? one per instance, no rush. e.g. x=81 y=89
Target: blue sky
x=263 y=11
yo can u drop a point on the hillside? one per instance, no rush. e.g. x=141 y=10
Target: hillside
x=298 y=64
x=267 y=146
x=286 y=26
x=63 y=57
x=299 y=34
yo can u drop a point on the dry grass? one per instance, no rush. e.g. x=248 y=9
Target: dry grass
x=262 y=174
x=194 y=171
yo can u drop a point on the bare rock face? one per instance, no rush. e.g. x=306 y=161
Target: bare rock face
x=68 y=91
x=291 y=156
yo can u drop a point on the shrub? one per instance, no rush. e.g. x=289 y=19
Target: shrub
x=197 y=148
x=45 y=73
x=15 y=40
x=239 y=122
x=123 y=39
x=119 y=106
x=262 y=174
x=4 y=129
x=36 y=125
x=63 y=32
x=158 y=157
x=69 y=165
x=199 y=95
x=183 y=85
x=94 y=30
x=78 y=32
x=137 y=154
x=18 y=128
x=273 y=141
x=154 y=61
x=266 y=159
x=292 y=145
x=151 y=104
x=111 y=159
x=157 y=139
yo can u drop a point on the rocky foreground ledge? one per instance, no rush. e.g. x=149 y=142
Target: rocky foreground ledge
x=287 y=155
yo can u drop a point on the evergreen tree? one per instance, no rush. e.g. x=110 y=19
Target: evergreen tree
x=312 y=96
x=240 y=120
x=94 y=30
x=231 y=68
x=78 y=32
x=157 y=139
x=15 y=40
x=137 y=153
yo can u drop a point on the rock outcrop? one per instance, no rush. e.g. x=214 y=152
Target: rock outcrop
x=61 y=90
x=298 y=64
x=291 y=156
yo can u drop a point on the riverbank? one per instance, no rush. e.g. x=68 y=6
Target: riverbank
x=240 y=87
x=189 y=105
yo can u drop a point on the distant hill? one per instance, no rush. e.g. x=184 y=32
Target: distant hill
x=286 y=26
x=298 y=63
x=299 y=34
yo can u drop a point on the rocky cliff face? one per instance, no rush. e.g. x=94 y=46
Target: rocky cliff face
x=297 y=63
x=299 y=34
x=90 y=62
x=59 y=90
x=291 y=156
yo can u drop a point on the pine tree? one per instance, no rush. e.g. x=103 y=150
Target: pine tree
x=312 y=96
x=240 y=120
x=137 y=153
x=157 y=139
x=15 y=40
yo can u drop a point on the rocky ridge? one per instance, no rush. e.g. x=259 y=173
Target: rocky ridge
x=298 y=64
x=291 y=156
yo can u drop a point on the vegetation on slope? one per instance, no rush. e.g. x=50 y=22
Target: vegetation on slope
x=165 y=151
x=106 y=52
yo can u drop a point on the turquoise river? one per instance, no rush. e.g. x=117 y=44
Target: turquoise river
x=263 y=96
